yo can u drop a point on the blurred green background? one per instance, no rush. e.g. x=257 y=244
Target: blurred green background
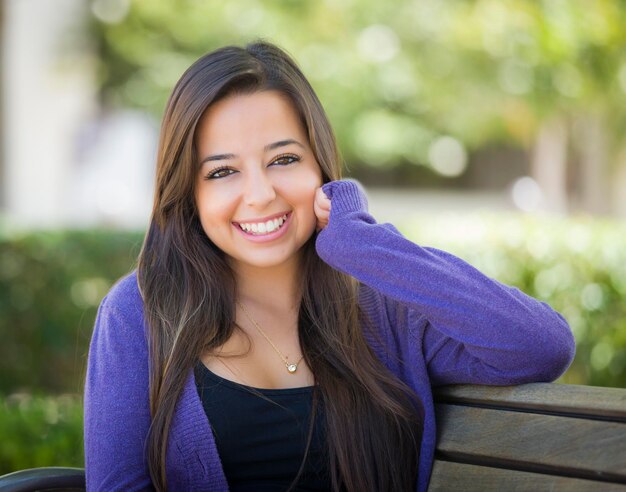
x=524 y=98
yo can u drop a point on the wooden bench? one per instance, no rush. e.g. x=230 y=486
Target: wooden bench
x=532 y=437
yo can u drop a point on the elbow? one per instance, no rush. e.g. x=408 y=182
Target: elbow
x=564 y=358
x=548 y=356
x=557 y=352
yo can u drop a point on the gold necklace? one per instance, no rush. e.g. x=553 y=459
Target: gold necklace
x=292 y=368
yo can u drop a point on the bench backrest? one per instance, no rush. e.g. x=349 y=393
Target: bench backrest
x=531 y=437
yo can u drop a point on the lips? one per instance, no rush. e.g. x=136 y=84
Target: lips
x=263 y=227
x=280 y=224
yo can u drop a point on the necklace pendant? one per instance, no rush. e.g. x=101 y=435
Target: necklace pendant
x=292 y=368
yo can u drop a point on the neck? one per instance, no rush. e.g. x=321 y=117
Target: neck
x=276 y=289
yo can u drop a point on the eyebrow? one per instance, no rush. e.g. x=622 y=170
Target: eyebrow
x=267 y=148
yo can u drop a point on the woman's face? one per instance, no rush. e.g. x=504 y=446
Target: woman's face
x=257 y=179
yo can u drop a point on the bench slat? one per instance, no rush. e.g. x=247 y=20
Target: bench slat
x=532 y=442
x=606 y=403
x=448 y=476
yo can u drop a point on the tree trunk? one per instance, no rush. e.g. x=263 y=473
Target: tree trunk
x=549 y=165
x=619 y=186
x=2 y=154
x=591 y=143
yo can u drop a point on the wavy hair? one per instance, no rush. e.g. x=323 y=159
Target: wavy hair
x=372 y=421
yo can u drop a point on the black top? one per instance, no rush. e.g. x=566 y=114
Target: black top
x=261 y=434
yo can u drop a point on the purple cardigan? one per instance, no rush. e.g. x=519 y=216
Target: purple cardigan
x=447 y=322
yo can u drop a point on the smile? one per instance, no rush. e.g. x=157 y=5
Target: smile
x=263 y=228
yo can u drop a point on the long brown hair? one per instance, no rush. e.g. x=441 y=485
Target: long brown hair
x=372 y=421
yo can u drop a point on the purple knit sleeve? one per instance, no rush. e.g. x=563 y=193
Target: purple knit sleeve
x=117 y=415
x=478 y=330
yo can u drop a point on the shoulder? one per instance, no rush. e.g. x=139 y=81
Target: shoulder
x=389 y=318
x=392 y=329
x=383 y=310
x=124 y=297
x=372 y=303
x=121 y=311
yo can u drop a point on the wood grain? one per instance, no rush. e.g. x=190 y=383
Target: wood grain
x=533 y=442
x=591 y=401
x=470 y=478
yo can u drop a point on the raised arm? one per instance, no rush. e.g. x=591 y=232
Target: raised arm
x=474 y=329
x=117 y=415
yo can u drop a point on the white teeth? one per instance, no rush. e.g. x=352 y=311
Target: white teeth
x=264 y=227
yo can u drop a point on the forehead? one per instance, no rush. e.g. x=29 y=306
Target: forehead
x=248 y=122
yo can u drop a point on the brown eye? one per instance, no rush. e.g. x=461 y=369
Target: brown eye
x=285 y=160
x=220 y=172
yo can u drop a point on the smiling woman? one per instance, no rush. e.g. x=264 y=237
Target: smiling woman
x=274 y=336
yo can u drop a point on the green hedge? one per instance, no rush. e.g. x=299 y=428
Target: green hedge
x=52 y=282
x=50 y=286
x=40 y=431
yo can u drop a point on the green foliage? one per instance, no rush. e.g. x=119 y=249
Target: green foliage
x=394 y=76
x=578 y=266
x=40 y=431
x=50 y=286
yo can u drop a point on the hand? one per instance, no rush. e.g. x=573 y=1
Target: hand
x=321 y=206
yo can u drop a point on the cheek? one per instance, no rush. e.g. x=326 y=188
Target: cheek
x=214 y=209
x=313 y=182
x=301 y=189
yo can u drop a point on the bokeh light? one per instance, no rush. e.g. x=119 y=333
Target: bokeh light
x=447 y=156
x=110 y=11
x=526 y=194
x=378 y=43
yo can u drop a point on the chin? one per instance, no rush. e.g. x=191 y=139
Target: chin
x=263 y=262
x=270 y=259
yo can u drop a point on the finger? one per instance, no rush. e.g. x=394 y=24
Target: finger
x=322 y=219
x=321 y=224
x=322 y=200
x=321 y=208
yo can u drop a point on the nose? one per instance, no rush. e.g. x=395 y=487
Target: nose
x=258 y=190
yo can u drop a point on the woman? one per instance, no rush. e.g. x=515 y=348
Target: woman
x=274 y=336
